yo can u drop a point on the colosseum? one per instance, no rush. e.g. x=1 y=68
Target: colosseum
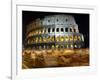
x=54 y=31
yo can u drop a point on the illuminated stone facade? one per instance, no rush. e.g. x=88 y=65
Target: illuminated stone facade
x=54 y=31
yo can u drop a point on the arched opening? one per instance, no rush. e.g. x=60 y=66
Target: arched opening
x=62 y=30
x=70 y=29
x=57 y=30
x=57 y=38
x=48 y=30
x=66 y=29
x=79 y=38
x=66 y=38
x=75 y=38
x=74 y=30
x=53 y=29
x=61 y=38
x=71 y=38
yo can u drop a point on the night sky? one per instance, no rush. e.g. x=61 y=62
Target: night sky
x=81 y=19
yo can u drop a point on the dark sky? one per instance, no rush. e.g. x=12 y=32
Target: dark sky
x=81 y=19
